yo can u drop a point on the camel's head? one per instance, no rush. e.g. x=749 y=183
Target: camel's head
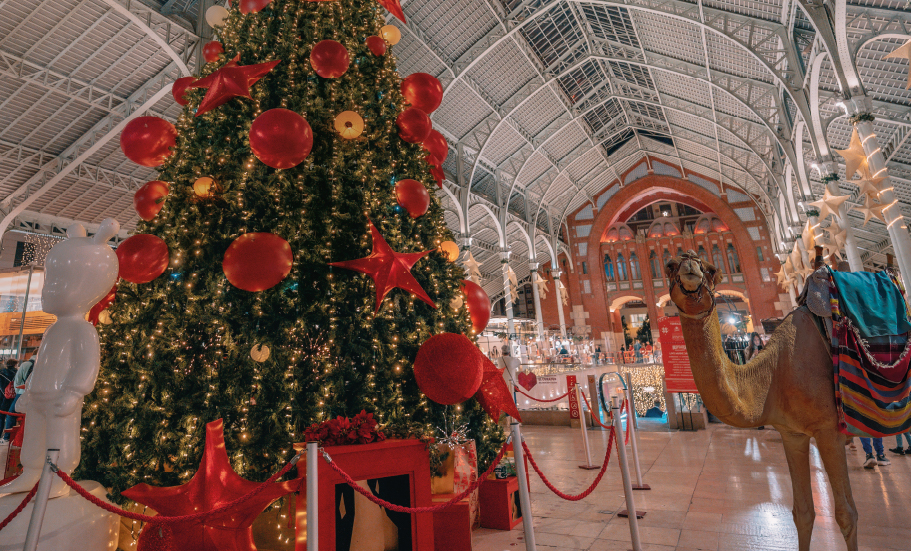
x=692 y=282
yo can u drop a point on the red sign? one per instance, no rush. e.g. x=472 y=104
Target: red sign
x=573 y=402
x=677 y=372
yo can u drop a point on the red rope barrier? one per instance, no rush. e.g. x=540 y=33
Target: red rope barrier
x=557 y=399
x=21 y=506
x=412 y=510
x=590 y=489
x=594 y=415
x=162 y=519
x=7 y=480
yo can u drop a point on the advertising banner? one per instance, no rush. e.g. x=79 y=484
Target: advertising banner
x=677 y=372
x=573 y=402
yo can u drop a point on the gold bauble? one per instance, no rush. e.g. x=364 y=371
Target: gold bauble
x=204 y=187
x=449 y=250
x=104 y=317
x=349 y=124
x=260 y=353
x=456 y=303
x=391 y=34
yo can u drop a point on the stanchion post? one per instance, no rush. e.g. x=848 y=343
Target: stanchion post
x=524 y=497
x=312 y=496
x=631 y=421
x=624 y=474
x=41 y=499
x=630 y=399
x=588 y=454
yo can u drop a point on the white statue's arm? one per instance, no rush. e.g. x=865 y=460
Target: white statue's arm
x=85 y=363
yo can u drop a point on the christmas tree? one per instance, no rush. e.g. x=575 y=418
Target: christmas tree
x=189 y=346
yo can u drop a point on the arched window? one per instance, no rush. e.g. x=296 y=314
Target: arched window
x=656 y=267
x=608 y=268
x=634 y=271
x=733 y=259
x=702 y=254
x=717 y=259
x=621 y=268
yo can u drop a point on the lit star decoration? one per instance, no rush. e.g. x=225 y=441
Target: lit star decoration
x=902 y=52
x=782 y=277
x=494 y=395
x=473 y=267
x=809 y=236
x=231 y=81
x=564 y=293
x=214 y=484
x=394 y=7
x=869 y=185
x=513 y=284
x=388 y=269
x=872 y=209
x=829 y=205
x=542 y=285
x=855 y=158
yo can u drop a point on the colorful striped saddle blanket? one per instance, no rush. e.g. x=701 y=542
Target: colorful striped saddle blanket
x=872 y=386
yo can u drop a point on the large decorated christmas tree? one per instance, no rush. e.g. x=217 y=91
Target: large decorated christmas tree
x=230 y=306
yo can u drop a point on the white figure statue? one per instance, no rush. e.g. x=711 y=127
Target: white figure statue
x=79 y=271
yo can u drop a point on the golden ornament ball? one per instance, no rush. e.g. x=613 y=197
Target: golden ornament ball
x=105 y=318
x=349 y=124
x=450 y=250
x=391 y=34
x=260 y=353
x=457 y=302
x=204 y=187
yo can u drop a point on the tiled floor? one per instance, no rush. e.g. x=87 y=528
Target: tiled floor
x=721 y=489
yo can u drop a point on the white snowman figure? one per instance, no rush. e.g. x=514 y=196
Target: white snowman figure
x=79 y=271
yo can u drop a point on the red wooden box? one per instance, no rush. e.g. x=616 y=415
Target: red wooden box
x=363 y=462
x=452 y=526
x=500 y=503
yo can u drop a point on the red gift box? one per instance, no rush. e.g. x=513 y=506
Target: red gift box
x=452 y=526
x=499 y=499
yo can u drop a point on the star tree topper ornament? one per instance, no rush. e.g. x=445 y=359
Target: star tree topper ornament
x=388 y=269
x=493 y=395
x=855 y=158
x=829 y=204
x=214 y=484
x=902 y=52
x=229 y=82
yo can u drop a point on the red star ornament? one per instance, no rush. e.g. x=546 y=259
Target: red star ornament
x=494 y=395
x=394 y=7
x=213 y=485
x=229 y=82
x=388 y=269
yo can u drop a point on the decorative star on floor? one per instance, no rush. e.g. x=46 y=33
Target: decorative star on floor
x=871 y=209
x=494 y=395
x=214 y=484
x=388 y=269
x=229 y=82
x=394 y=7
x=855 y=158
x=829 y=205
x=473 y=267
x=902 y=52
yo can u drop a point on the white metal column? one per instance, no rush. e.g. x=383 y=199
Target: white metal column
x=557 y=274
x=539 y=316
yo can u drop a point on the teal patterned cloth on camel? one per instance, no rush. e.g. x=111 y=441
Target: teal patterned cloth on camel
x=873 y=302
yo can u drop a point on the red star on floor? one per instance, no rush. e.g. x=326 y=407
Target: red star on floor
x=494 y=395
x=229 y=82
x=213 y=485
x=388 y=269
x=394 y=7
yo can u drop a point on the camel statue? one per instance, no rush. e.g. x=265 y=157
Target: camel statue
x=789 y=386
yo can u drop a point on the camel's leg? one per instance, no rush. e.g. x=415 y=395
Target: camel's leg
x=831 y=445
x=797 y=450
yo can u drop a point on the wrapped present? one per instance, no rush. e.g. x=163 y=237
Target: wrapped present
x=465 y=473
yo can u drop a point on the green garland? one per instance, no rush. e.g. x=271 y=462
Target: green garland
x=861 y=117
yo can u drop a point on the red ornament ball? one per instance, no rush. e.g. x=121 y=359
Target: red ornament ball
x=148 y=140
x=253 y=6
x=438 y=175
x=436 y=145
x=329 y=59
x=414 y=125
x=413 y=197
x=212 y=50
x=149 y=199
x=449 y=368
x=155 y=537
x=478 y=304
x=142 y=258
x=180 y=88
x=102 y=304
x=281 y=138
x=377 y=45
x=423 y=91
x=257 y=261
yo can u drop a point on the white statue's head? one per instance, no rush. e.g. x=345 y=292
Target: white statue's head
x=80 y=270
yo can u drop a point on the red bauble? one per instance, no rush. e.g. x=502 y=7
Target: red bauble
x=438 y=175
x=377 y=45
x=436 y=145
x=414 y=125
x=142 y=257
x=253 y=6
x=148 y=140
x=155 y=537
x=212 y=50
x=422 y=91
x=449 y=368
x=102 y=305
x=329 y=59
x=180 y=88
x=149 y=200
x=478 y=304
x=257 y=261
x=281 y=138
x=413 y=197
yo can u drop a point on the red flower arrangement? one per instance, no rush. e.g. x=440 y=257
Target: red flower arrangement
x=343 y=431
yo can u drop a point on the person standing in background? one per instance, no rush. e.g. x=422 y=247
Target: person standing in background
x=8 y=390
x=21 y=377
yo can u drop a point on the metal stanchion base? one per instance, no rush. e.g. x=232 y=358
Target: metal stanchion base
x=641 y=487
x=590 y=467
x=625 y=514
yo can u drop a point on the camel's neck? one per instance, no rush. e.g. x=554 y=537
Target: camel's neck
x=736 y=394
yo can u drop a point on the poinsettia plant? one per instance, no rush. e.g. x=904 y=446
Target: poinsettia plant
x=342 y=431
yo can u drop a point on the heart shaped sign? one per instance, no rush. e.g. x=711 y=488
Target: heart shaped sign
x=528 y=379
